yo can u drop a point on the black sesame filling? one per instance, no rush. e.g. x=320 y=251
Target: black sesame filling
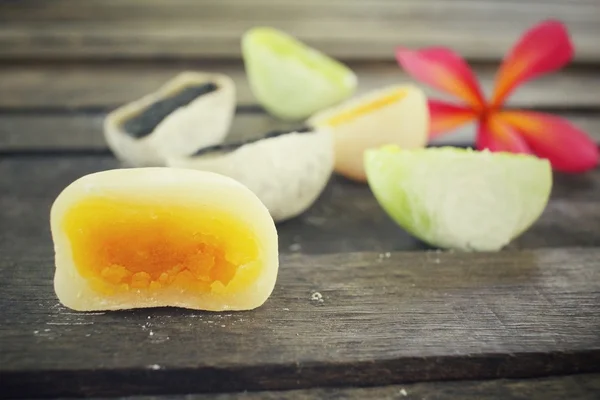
x=229 y=147
x=144 y=123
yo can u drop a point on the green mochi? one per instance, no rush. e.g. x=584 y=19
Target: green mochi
x=291 y=80
x=457 y=198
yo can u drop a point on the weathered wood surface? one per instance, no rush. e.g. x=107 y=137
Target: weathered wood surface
x=393 y=310
x=575 y=387
x=105 y=86
x=346 y=217
x=479 y=29
x=377 y=321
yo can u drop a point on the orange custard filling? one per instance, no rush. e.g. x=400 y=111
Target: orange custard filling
x=120 y=246
x=357 y=111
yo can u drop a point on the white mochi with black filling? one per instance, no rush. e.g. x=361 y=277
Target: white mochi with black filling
x=191 y=111
x=287 y=170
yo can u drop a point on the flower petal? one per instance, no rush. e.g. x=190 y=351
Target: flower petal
x=444 y=70
x=544 y=48
x=446 y=117
x=567 y=147
x=494 y=134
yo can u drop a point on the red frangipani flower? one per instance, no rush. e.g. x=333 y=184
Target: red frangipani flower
x=543 y=49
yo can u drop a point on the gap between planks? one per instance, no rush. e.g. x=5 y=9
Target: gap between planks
x=349 y=29
x=104 y=86
x=37 y=103
x=379 y=321
x=345 y=218
x=572 y=387
x=83 y=132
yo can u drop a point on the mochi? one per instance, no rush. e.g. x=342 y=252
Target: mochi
x=287 y=170
x=153 y=237
x=460 y=199
x=290 y=79
x=396 y=115
x=193 y=110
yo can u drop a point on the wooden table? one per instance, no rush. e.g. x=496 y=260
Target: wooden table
x=395 y=318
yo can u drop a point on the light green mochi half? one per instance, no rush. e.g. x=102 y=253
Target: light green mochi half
x=291 y=80
x=460 y=198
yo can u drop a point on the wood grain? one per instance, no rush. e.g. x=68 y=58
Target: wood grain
x=83 y=132
x=574 y=387
x=107 y=86
x=379 y=320
x=391 y=310
x=350 y=29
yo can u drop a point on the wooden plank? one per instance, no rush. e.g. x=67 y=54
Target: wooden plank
x=350 y=29
x=573 y=387
x=33 y=132
x=379 y=321
x=346 y=217
x=56 y=132
x=107 y=86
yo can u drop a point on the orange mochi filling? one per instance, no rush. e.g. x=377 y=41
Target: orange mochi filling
x=121 y=246
x=362 y=109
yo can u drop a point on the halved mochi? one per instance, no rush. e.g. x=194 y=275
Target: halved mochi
x=191 y=111
x=150 y=237
x=393 y=115
x=460 y=198
x=287 y=170
x=290 y=79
